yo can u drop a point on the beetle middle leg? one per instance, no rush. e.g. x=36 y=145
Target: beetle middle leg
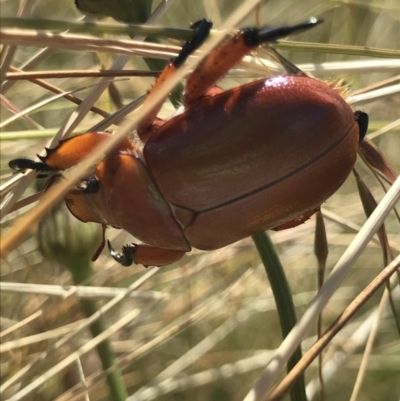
x=145 y=255
x=297 y=221
x=203 y=28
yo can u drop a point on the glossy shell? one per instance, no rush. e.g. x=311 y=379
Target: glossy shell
x=127 y=198
x=252 y=158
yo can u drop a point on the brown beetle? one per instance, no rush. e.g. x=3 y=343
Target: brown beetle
x=260 y=156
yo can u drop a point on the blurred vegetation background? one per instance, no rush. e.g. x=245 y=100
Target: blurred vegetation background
x=220 y=300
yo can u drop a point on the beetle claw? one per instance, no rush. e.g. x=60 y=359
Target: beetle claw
x=125 y=257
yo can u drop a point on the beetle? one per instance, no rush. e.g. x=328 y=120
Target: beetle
x=260 y=156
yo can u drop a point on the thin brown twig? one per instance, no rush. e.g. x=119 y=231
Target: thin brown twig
x=72 y=42
x=27 y=201
x=335 y=327
x=78 y=74
x=377 y=85
x=55 y=89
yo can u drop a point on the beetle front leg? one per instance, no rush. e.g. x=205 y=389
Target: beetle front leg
x=145 y=255
x=70 y=152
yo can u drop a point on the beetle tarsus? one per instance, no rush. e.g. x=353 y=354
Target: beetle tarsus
x=203 y=28
x=255 y=37
x=362 y=121
x=125 y=257
x=25 y=164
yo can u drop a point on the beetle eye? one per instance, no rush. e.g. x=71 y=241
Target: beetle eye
x=362 y=121
x=92 y=185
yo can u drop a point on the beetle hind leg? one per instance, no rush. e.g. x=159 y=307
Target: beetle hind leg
x=297 y=221
x=145 y=255
x=230 y=52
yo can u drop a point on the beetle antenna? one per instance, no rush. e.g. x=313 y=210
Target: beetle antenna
x=102 y=244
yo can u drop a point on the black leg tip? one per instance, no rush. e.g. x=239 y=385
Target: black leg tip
x=125 y=257
x=362 y=120
x=255 y=37
x=203 y=28
x=25 y=164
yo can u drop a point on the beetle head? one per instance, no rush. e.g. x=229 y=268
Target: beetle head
x=122 y=194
